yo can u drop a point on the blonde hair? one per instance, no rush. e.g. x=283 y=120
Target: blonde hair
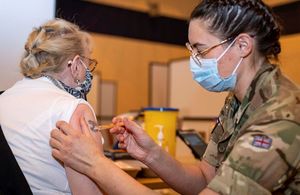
x=51 y=45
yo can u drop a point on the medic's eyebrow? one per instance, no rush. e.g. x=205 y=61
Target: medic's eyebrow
x=196 y=45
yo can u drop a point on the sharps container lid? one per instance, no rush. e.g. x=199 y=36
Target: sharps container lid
x=161 y=109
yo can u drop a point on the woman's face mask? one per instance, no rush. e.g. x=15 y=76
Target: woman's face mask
x=83 y=88
x=205 y=72
x=86 y=85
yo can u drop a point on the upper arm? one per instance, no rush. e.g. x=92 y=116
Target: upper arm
x=259 y=159
x=79 y=183
x=85 y=111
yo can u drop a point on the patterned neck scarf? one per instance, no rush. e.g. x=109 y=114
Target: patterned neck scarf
x=79 y=92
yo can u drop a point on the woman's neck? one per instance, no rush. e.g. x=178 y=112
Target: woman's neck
x=246 y=76
x=66 y=77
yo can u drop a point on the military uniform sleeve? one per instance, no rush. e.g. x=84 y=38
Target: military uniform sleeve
x=212 y=155
x=261 y=160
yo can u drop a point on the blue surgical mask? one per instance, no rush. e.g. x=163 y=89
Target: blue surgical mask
x=207 y=74
x=83 y=88
x=86 y=85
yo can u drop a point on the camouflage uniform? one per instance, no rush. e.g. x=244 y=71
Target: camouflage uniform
x=255 y=145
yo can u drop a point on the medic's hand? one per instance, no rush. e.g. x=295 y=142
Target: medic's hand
x=134 y=139
x=77 y=149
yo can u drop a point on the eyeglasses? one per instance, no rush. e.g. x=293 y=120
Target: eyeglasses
x=200 y=54
x=92 y=63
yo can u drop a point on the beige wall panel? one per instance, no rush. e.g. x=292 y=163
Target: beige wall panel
x=290 y=56
x=126 y=61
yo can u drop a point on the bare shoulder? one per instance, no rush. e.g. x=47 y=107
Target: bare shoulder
x=82 y=110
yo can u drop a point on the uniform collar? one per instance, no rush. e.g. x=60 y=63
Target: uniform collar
x=253 y=90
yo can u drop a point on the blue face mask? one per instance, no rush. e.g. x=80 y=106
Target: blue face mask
x=206 y=73
x=83 y=87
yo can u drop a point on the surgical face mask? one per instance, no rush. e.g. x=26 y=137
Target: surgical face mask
x=206 y=73
x=86 y=85
x=83 y=88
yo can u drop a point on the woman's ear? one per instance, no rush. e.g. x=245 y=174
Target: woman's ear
x=74 y=65
x=245 y=44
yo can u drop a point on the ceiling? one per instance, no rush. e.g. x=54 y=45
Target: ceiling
x=171 y=8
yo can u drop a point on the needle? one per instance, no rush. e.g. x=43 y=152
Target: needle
x=105 y=127
x=96 y=128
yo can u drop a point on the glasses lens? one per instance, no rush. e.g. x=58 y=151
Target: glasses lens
x=92 y=64
x=192 y=50
x=189 y=47
x=197 y=60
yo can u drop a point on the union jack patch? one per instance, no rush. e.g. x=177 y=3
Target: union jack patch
x=262 y=141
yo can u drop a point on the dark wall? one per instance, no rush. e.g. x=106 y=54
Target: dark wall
x=133 y=24
x=122 y=22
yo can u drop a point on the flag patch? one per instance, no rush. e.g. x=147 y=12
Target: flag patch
x=262 y=141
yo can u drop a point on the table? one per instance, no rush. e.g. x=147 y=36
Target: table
x=153 y=183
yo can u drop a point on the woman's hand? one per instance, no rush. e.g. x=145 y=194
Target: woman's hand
x=134 y=139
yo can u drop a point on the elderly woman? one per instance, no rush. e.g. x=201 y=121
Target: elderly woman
x=57 y=78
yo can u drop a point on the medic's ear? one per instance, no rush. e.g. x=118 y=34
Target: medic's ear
x=245 y=43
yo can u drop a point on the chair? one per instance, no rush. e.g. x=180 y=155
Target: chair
x=12 y=180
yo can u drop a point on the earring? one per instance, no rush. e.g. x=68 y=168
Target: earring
x=69 y=63
x=77 y=81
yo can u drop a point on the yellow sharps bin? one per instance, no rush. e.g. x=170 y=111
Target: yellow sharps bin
x=160 y=124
